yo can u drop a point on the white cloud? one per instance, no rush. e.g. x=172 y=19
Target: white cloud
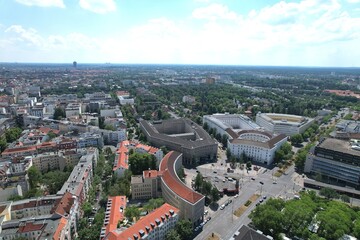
x=98 y=6
x=353 y=1
x=42 y=3
x=313 y=33
x=213 y=12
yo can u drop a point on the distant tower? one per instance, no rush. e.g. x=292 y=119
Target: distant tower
x=74 y=64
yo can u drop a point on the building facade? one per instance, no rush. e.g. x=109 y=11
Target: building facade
x=182 y=135
x=283 y=123
x=335 y=161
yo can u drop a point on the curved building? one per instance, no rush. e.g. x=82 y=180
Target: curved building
x=260 y=146
x=182 y=135
x=283 y=123
x=176 y=193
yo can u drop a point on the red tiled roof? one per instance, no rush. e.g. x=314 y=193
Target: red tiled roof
x=47 y=130
x=30 y=227
x=63 y=205
x=122 y=93
x=61 y=225
x=116 y=214
x=19 y=150
x=171 y=179
x=151 y=173
x=148 y=221
x=122 y=152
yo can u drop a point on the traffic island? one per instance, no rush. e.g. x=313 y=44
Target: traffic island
x=238 y=212
x=213 y=236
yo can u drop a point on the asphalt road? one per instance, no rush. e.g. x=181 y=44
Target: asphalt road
x=224 y=223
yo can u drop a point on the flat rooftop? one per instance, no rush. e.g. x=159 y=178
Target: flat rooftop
x=338 y=146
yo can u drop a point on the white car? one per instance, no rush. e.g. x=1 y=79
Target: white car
x=236 y=195
x=222 y=206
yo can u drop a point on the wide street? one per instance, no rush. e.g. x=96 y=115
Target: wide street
x=224 y=223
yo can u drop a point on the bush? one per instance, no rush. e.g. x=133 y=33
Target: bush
x=248 y=202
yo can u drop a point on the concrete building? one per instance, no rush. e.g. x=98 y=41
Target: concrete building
x=153 y=226
x=122 y=155
x=124 y=98
x=113 y=137
x=221 y=122
x=73 y=109
x=260 y=146
x=283 y=123
x=182 y=135
x=39 y=228
x=188 y=99
x=115 y=210
x=146 y=186
x=23 y=218
x=80 y=179
x=49 y=161
x=336 y=161
x=90 y=140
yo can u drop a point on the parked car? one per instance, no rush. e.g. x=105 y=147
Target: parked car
x=222 y=206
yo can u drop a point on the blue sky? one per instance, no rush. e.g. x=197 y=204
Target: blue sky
x=235 y=32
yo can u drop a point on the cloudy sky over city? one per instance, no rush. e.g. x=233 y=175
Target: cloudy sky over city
x=236 y=32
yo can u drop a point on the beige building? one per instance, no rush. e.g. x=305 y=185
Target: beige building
x=49 y=161
x=146 y=186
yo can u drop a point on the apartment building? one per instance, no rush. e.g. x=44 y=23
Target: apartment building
x=115 y=210
x=153 y=226
x=122 y=154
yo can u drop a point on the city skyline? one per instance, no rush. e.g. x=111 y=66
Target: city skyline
x=322 y=33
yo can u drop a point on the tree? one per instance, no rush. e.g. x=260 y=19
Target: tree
x=296 y=139
x=228 y=153
x=214 y=195
x=198 y=182
x=3 y=143
x=110 y=127
x=224 y=140
x=12 y=134
x=34 y=176
x=206 y=188
x=173 y=235
x=59 y=113
x=87 y=209
x=141 y=162
x=51 y=135
x=329 y=193
x=345 y=198
x=248 y=165
x=131 y=213
x=184 y=229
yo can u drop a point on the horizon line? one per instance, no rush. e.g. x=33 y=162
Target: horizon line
x=174 y=64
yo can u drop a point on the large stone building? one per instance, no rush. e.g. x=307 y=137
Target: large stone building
x=221 y=122
x=283 y=123
x=182 y=135
x=167 y=184
x=246 y=137
x=336 y=161
x=260 y=146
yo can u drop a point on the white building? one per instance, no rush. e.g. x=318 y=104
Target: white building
x=124 y=98
x=73 y=109
x=283 y=123
x=223 y=121
x=260 y=146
